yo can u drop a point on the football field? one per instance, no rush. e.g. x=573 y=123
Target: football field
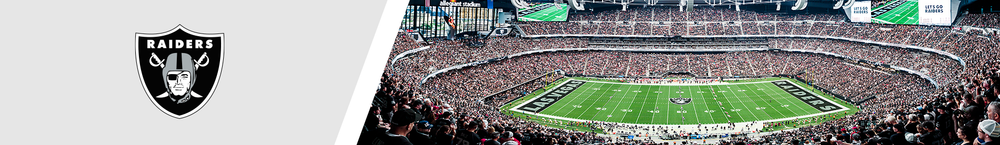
x=555 y=13
x=907 y=13
x=579 y=99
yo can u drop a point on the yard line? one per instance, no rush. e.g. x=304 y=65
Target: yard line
x=602 y=106
x=785 y=100
x=599 y=97
x=754 y=103
x=706 y=106
x=758 y=104
x=656 y=103
x=576 y=96
x=730 y=104
x=668 y=100
x=693 y=106
x=644 y=98
x=794 y=103
x=622 y=98
x=629 y=104
x=744 y=104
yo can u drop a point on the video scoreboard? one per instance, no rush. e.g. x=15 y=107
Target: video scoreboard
x=907 y=12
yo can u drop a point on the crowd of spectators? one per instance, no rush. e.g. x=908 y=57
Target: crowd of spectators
x=983 y=20
x=466 y=87
x=452 y=106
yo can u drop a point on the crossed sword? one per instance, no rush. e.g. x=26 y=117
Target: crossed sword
x=157 y=62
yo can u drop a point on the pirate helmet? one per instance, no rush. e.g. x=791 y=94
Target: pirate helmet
x=179 y=62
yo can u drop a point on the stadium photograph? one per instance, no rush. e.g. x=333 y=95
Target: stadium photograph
x=796 y=72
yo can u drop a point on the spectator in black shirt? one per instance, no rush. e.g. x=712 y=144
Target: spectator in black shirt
x=929 y=135
x=900 y=137
x=421 y=135
x=468 y=136
x=491 y=139
x=402 y=122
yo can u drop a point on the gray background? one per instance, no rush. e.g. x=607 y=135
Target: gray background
x=290 y=69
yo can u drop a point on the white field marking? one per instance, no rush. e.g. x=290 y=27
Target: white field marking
x=731 y=106
x=656 y=125
x=602 y=108
x=785 y=99
x=782 y=91
x=768 y=104
x=712 y=84
x=656 y=103
x=537 y=97
x=744 y=104
x=842 y=108
x=630 y=103
x=668 y=100
x=573 y=100
x=564 y=98
x=694 y=108
x=754 y=102
x=644 y=97
x=708 y=108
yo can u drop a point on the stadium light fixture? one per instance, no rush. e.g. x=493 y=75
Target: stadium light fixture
x=847 y=4
x=577 y=4
x=838 y=4
x=800 y=5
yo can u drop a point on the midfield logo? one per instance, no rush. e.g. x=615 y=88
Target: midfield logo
x=680 y=101
x=179 y=69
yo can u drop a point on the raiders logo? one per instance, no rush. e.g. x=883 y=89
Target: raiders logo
x=680 y=101
x=179 y=69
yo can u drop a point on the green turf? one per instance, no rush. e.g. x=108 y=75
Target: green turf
x=546 y=120
x=556 y=13
x=907 y=13
x=649 y=104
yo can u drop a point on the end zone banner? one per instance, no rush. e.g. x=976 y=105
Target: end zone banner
x=809 y=98
x=543 y=101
